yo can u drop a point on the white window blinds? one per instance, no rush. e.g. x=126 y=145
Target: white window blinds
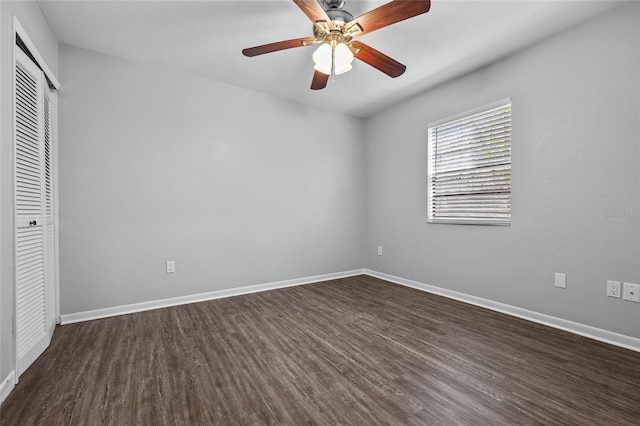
x=469 y=176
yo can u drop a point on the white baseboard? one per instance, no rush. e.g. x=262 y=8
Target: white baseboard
x=201 y=297
x=606 y=336
x=599 y=334
x=7 y=386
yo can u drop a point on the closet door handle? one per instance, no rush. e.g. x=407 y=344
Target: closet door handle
x=33 y=223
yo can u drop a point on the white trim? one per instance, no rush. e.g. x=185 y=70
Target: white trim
x=12 y=153
x=7 y=386
x=56 y=238
x=599 y=334
x=201 y=297
x=19 y=30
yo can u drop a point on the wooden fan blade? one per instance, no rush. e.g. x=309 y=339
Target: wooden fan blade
x=376 y=59
x=319 y=81
x=279 y=45
x=314 y=12
x=387 y=14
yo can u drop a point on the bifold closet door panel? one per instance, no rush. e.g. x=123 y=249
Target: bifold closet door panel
x=32 y=307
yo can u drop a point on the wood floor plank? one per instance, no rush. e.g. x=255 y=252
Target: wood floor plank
x=357 y=351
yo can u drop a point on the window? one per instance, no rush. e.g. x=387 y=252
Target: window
x=469 y=174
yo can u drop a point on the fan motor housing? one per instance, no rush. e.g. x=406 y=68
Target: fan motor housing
x=333 y=4
x=339 y=15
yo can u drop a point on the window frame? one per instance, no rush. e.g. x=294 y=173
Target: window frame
x=431 y=164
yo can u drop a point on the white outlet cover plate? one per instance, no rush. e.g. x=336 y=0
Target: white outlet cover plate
x=631 y=292
x=613 y=288
x=561 y=280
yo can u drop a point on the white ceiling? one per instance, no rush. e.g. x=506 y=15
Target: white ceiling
x=206 y=38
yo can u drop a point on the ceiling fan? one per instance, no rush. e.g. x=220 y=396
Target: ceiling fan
x=335 y=30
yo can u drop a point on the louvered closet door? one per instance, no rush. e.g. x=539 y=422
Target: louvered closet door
x=34 y=315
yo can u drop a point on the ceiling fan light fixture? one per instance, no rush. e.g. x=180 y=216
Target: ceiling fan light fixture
x=322 y=58
x=334 y=29
x=343 y=58
x=325 y=56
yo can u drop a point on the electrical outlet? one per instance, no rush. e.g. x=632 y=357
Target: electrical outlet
x=561 y=280
x=631 y=292
x=379 y=250
x=171 y=266
x=613 y=288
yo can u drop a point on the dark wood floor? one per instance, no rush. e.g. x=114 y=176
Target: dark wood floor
x=353 y=351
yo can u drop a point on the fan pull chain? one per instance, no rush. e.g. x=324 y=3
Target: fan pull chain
x=333 y=64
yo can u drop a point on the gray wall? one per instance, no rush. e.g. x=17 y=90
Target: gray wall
x=575 y=156
x=238 y=187
x=32 y=20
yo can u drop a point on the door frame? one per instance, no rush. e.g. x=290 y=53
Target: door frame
x=52 y=81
